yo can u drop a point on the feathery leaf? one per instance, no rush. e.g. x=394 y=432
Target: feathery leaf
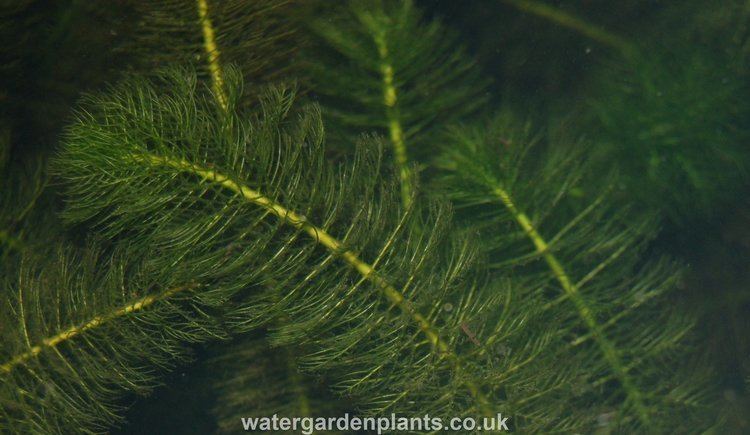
x=542 y=219
x=382 y=307
x=81 y=330
x=381 y=66
x=259 y=37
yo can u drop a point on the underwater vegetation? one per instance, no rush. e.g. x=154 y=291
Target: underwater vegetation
x=215 y=210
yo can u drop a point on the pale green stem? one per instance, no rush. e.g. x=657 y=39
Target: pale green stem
x=93 y=323
x=396 y=131
x=322 y=237
x=212 y=55
x=611 y=355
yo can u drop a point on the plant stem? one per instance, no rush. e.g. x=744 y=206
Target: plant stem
x=95 y=322
x=390 y=100
x=572 y=22
x=212 y=55
x=322 y=237
x=611 y=355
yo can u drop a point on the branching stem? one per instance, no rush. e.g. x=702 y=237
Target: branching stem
x=290 y=217
x=611 y=355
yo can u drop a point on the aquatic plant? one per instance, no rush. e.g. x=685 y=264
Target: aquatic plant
x=333 y=205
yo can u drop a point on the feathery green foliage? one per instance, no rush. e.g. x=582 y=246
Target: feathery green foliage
x=689 y=131
x=675 y=120
x=523 y=279
x=381 y=66
x=179 y=163
x=208 y=192
x=82 y=329
x=543 y=223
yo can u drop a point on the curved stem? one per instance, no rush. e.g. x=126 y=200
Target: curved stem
x=290 y=217
x=611 y=355
x=322 y=237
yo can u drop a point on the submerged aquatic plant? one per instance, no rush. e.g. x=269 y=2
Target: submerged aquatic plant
x=374 y=242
